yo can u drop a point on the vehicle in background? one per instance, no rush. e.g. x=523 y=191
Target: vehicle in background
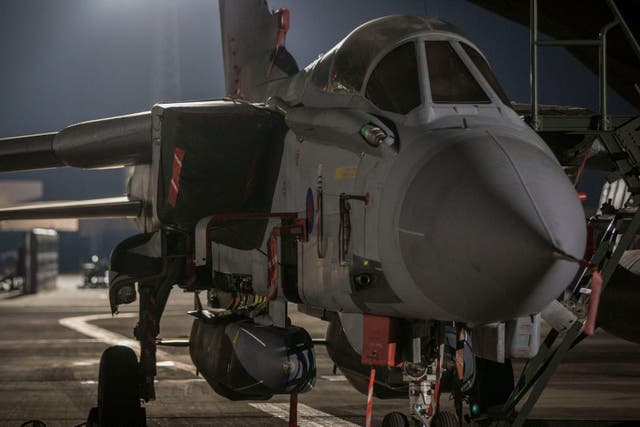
x=95 y=274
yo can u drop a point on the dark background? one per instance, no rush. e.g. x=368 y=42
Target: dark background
x=66 y=61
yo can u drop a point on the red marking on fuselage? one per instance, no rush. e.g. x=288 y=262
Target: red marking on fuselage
x=174 y=184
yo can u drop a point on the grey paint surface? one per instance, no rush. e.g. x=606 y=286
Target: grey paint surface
x=470 y=218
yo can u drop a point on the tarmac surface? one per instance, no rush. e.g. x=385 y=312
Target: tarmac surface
x=50 y=347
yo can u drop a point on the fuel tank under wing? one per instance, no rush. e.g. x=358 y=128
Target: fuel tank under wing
x=105 y=143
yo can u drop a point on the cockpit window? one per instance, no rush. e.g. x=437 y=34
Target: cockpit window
x=393 y=85
x=451 y=81
x=484 y=68
x=321 y=71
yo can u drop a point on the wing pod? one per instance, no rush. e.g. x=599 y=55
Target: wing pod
x=243 y=360
x=113 y=142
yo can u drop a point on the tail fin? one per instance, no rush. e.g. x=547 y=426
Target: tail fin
x=253 y=46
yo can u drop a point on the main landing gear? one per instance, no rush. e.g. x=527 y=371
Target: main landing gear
x=123 y=381
x=118 y=390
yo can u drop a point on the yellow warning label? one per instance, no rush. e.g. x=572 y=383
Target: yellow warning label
x=346 y=172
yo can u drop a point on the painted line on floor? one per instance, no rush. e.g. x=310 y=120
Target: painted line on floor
x=307 y=416
x=51 y=341
x=334 y=378
x=81 y=324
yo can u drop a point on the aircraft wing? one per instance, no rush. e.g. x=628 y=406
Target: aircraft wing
x=577 y=19
x=207 y=157
x=111 y=142
x=112 y=207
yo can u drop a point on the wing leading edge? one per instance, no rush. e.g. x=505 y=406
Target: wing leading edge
x=111 y=207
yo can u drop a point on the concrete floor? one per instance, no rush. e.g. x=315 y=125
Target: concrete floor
x=49 y=369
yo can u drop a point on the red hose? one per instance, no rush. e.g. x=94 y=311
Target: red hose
x=293 y=410
x=594 y=300
x=372 y=377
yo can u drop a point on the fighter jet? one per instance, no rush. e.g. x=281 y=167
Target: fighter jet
x=389 y=187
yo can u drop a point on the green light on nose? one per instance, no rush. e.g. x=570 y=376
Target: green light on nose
x=475 y=409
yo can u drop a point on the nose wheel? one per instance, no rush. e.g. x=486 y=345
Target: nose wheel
x=395 y=419
x=444 y=419
x=398 y=419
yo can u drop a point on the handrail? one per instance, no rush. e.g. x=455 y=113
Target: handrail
x=625 y=28
x=600 y=43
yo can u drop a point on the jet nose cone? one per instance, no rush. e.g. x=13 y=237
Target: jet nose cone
x=482 y=225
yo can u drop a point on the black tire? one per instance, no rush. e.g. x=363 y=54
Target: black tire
x=444 y=419
x=395 y=419
x=118 y=385
x=33 y=423
x=119 y=388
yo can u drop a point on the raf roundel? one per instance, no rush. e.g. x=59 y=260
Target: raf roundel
x=310 y=211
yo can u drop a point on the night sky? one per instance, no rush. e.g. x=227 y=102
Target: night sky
x=65 y=61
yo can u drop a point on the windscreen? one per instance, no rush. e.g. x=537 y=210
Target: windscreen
x=393 y=85
x=450 y=79
x=485 y=69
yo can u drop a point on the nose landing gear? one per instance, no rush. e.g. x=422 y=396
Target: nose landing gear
x=425 y=389
x=441 y=368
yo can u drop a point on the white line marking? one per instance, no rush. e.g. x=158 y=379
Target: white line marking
x=52 y=341
x=333 y=378
x=413 y=233
x=183 y=380
x=80 y=324
x=307 y=416
x=86 y=362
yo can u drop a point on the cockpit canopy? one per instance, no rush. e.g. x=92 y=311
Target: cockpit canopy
x=381 y=61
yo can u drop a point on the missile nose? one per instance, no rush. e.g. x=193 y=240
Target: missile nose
x=483 y=227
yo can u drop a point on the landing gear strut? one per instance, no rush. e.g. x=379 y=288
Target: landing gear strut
x=424 y=392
